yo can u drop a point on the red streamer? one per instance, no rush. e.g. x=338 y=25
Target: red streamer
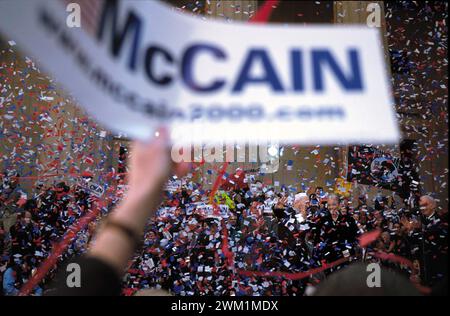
x=393 y=258
x=263 y=14
x=64 y=174
x=58 y=250
x=295 y=275
x=369 y=237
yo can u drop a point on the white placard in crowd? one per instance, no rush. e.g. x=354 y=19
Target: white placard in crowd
x=140 y=64
x=173 y=185
x=207 y=210
x=94 y=188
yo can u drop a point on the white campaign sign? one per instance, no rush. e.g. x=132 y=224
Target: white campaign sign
x=94 y=188
x=135 y=65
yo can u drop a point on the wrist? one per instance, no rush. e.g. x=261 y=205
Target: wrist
x=135 y=210
x=113 y=248
x=131 y=234
x=131 y=215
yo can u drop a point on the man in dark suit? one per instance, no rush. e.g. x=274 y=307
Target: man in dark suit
x=434 y=246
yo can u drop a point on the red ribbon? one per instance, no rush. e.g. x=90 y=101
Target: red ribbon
x=263 y=14
x=58 y=250
x=293 y=275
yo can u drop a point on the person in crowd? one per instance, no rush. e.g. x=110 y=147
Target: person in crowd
x=11 y=278
x=434 y=231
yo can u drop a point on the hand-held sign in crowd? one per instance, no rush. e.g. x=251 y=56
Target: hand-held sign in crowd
x=141 y=64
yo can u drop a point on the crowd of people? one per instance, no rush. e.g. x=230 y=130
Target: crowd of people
x=270 y=231
x=203 y=245
x=31 y=224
